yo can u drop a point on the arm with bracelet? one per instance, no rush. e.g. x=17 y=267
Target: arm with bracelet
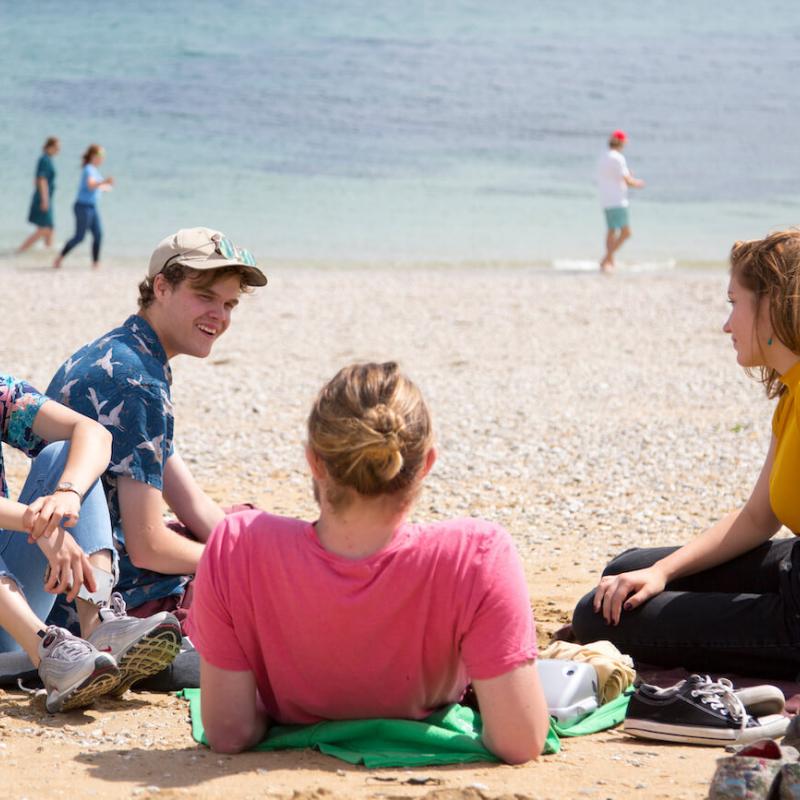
x=90 y=450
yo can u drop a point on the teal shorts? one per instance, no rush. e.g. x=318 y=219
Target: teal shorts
x=617 y=217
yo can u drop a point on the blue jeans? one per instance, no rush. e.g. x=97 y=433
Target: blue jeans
x=742 y=616
x=86 y=218
x=25 y=563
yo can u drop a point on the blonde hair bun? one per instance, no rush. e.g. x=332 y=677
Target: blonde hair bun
x=371 y=428
x=384 y=454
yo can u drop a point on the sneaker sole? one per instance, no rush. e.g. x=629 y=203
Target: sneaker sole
x=149 y=655
x=760 y=701
x=770 y=728
x=100 y=682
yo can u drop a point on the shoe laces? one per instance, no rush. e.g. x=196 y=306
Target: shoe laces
x=31 y=691
x=115 y=609
x=65 y=645
x=721 y=697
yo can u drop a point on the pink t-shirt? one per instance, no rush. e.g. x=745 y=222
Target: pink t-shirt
x=397 y=634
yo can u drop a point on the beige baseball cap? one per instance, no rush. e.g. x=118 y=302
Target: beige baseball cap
x=204 y=248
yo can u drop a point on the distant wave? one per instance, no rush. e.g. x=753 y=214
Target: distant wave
x=592 y=265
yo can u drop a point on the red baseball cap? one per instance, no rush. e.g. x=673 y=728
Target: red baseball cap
x=619 y=135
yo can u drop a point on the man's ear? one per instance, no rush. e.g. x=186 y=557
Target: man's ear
x=161 y=286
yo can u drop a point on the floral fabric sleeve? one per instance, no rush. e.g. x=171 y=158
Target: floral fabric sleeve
x=19 y=405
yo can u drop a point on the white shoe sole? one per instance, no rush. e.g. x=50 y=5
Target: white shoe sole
x=85 y=691
x=150 y=654
x=760 y=701
x=770 y=727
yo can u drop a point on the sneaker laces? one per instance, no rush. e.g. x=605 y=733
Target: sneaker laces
x=65 y=645
x=29 y=690
x=720 y=696
x=115 y=609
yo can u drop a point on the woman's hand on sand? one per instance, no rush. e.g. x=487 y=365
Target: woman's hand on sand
x=69 y=565
x=627 y=590
x=47 y=513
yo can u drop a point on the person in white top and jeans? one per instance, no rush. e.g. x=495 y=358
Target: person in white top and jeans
x=613 y=179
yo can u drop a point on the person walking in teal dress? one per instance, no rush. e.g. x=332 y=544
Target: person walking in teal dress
x=41 y=213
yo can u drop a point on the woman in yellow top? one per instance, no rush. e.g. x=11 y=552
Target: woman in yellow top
x=730 y=599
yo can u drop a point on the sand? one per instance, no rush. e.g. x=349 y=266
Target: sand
x=584 y=413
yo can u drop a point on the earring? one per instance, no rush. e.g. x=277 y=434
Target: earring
x=769 y=342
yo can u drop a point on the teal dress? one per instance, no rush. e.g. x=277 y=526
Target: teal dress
x=46 y=170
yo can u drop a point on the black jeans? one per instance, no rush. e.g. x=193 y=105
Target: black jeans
x=742 y=616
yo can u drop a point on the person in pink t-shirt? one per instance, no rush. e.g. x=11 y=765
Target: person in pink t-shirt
x=362 y=613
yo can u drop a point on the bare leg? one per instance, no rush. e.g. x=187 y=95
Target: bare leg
x=614 y=240
x=624 y=235
x=34 y=237
x=19 y=620
x=48 y=237
x=607 y=264
x=87 y=612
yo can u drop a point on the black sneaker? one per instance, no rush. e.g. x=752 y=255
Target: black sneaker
x=698 y=711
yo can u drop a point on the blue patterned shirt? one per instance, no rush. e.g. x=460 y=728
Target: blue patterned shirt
x=19 y=405
x=123 y=381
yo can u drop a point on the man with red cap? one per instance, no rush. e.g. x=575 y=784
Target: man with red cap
x=614 y=178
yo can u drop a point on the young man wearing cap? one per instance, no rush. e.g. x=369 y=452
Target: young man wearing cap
x=123 y=381
x=614 y=178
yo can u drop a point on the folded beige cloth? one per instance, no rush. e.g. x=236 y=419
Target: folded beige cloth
x=615 y=671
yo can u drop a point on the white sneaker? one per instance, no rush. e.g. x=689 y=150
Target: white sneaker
x=141 y=647
x=73 y=672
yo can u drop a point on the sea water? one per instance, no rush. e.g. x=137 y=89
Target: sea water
x=456 y=130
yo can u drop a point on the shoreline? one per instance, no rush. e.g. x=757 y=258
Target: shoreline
x=41 y=259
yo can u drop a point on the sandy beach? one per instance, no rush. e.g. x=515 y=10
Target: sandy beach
x=584 y=413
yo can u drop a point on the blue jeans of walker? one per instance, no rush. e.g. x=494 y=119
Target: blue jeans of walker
x=87 y=217
x=742 y=616
x=25 y=563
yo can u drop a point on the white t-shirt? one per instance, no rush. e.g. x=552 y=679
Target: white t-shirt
x=612 y=170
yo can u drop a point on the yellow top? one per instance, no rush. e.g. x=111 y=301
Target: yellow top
x=784 y=479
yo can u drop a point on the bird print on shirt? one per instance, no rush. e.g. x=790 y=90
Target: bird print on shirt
x=65 y=389
x=141 y=345
x=96 y=404
x=127 y=364
x=154 y=445
x=69 y=364
x=165 y=399
x=113 y=417
x=106 y=339
x=107 y=364
x=123 y=467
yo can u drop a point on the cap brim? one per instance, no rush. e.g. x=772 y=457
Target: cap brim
x=253 y=275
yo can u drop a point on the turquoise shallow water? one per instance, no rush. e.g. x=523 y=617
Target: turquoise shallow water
x=408 y=130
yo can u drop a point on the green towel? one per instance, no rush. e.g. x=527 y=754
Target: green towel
x=452 y=735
